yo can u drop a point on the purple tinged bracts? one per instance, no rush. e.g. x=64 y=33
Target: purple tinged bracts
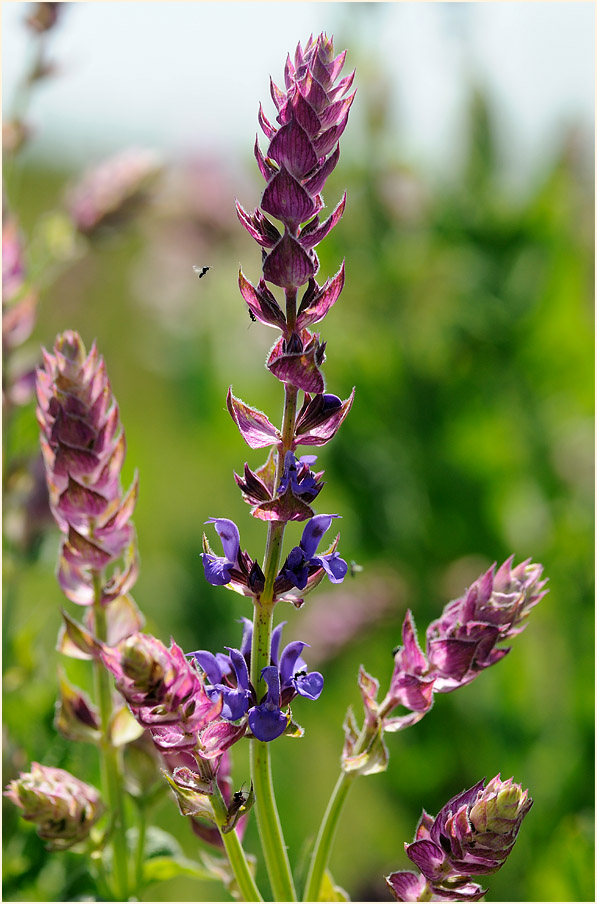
x=163 y=690
x=255 y=427
x=472 y=835
x=63 y=808
x=83 y=446
x=460 y=644
x=297 y=360
x=303 y=150
x=463 y=641
x=320 y=418
x=297 y=488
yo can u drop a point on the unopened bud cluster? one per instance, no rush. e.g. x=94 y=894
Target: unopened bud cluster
x=63 y=808
x=472 y=835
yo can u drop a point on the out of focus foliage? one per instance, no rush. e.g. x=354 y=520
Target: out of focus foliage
x=466 y=325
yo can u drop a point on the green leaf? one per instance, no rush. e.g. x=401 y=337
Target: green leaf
x=160 y=869
x=329 y=891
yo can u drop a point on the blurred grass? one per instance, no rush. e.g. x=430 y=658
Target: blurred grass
x=466 y=324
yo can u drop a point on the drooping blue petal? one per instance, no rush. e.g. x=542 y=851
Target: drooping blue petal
x=313 y=532
x=267 y=724
x=267 y=721
x=335 y=567
x=290 y=661
x=275 y=644
x=216 y=568
x=210 y=665
x=309 y=686
x=230 y=537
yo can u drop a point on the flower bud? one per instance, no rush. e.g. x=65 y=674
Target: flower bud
x=63 y=808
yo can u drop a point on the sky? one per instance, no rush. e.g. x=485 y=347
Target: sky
x=186 y=77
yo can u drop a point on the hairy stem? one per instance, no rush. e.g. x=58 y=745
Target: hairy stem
x=234 y=850
x=110 y=766
x=268 y=819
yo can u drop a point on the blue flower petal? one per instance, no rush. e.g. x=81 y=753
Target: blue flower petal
x=267 y=724
x=210 y=665
x=236 y=702
x=240 y=667
x=216 y=568
x=335 y=567
x=230 y=537
x=289 y=661
x=310 y=685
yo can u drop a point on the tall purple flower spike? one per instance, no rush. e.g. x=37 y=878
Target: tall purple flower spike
x=302 y=560
x=302 y=152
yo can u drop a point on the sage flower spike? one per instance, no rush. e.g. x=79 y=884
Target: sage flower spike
x=303 y=150
x=472 y=835
x=84 y=447
x=63 y=808
x=464 y=640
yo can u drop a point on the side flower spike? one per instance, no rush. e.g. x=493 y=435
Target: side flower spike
x=472 y=835
x=464 y=640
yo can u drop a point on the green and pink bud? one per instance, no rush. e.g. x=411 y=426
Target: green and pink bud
x=472 y=835
x=63 y=808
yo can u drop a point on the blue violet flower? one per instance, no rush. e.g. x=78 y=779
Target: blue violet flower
x=302 y=561
x=286 y=677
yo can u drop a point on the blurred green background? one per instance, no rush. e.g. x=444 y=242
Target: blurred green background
x=466 y=325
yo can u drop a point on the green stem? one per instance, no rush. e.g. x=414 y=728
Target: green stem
x=234 y=849
x=140 y=858
x=110 y=766
x=268 y=819
x=327 y=830
x=325 y=838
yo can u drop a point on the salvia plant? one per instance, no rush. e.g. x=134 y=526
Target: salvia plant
x=164 y=717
